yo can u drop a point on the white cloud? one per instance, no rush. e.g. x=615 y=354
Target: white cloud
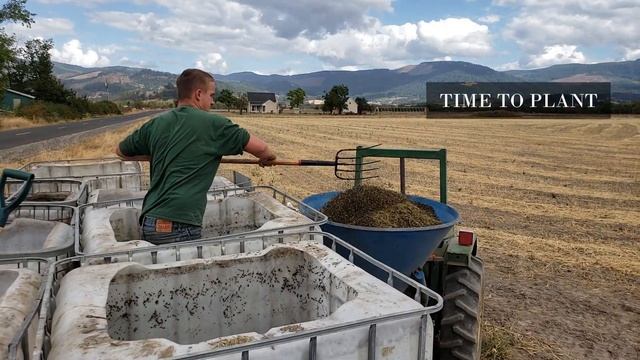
x=249 y=28
x=459 y=36
x=396 y=45
x=44 y=28
x=586 y=23
x=514 y=65
x=125 y=61
x=632 y=54
x=72 y=53
x=83 y=3
x=314 y=19
x=109 y=49
x=556 y=54
x=212 y=62
x=348 y=68
x=489 y=19
x=191 y=28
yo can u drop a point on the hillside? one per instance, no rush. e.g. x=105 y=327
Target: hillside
x=624 y=76
x=121 y=82
x=405 y=84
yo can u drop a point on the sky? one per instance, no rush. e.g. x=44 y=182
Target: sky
x=290 y=37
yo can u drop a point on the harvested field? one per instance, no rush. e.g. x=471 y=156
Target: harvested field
x=556 y=205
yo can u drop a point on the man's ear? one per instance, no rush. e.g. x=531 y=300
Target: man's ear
x=197 y=94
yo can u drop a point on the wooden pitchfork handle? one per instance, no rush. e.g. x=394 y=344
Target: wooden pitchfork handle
x=281 y=162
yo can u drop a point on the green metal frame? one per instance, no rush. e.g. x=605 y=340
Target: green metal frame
x=6 y=205
x=402 y=154
x=449 y=253
x=458 y=255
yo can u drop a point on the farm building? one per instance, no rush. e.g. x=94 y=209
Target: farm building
x=12 y=99
x=262 y=102
x=316 y=102
x=352 y=107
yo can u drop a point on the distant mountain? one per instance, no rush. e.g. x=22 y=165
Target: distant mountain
x=406 y=84
x=113 y=81
x=121 y=82
x=624 y=76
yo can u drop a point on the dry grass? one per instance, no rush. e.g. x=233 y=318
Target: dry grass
x=8 y=122
x=556 y=205
x=498 y=343
x=99 y=146
x=13 y=122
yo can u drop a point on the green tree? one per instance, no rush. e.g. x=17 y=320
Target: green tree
x=168 y=91
x=336 y=98
x=227 y=98
x=242 y=103
x=13 y=11
x=296 y=97
x=363 y=105
x=32 y=72
x=7 y=55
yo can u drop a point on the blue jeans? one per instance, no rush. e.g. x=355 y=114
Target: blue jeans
x=179 y=232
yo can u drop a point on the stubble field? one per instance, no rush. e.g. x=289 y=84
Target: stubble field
x=556 y=205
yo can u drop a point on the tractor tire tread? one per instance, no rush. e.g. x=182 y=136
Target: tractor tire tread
x=459 y=336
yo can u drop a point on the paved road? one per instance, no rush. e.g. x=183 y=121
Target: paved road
x=24 y=136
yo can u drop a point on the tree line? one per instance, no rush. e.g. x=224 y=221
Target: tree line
x=29 y=69
x=334 y=101
x=230 y=101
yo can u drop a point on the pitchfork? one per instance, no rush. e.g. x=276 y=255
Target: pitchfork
x=345 y=164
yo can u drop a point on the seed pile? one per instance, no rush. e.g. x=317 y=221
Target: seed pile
x=374 y=206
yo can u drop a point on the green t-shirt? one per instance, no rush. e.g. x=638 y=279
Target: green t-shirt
x=186 y=145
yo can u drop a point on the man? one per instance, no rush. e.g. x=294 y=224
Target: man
x=185 y=146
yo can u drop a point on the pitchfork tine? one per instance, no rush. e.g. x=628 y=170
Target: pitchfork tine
x=346 y=164
x=354 y=164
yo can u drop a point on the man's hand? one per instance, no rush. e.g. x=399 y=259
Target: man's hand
x=267 y=160
x=258 y=148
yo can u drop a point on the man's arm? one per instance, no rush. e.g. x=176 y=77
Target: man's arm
x=258 y=148
x=131 y=158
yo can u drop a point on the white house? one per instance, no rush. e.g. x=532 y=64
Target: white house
x=315 y=102
x=262 y=102
x=352 y=107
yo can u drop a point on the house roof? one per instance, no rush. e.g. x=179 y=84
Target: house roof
x=21 y=94
x=260 y=97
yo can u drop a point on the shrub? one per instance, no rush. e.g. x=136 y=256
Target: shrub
x=76 y=109
x=104 y=108
x=48 y=111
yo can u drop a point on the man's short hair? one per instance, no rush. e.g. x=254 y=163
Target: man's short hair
x=190 y=80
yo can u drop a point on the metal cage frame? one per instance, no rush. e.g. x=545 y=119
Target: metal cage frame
x=423 y=295
x=21 y=339
x=317 y=218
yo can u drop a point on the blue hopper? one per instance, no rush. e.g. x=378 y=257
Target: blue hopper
x=404 y=249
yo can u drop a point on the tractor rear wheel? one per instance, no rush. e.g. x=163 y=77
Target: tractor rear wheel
x=462 y=312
